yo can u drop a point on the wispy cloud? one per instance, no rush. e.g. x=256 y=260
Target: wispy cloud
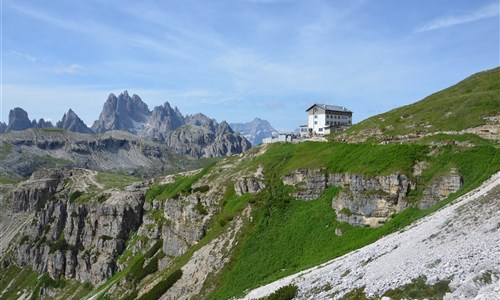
x=70 y=69
x=488 y=11
x=24 y=55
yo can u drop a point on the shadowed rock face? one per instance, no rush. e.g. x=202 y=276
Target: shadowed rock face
x=122 y=113
x=72 y=122
x=18 y=120
x=89 y=235
x=3 y=127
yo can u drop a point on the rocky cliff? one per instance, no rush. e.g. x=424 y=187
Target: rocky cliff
x=369 y=201
x=73 y=238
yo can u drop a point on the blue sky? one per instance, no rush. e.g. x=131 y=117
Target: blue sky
x=239 y=59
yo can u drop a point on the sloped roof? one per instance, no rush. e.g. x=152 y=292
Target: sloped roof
x=329 y=107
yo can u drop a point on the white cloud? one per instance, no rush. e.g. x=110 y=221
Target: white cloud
x=70 y=69
x=488 y=11
x=24 y=55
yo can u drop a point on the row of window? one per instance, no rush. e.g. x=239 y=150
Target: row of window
x=333 y=117
x=333 y=123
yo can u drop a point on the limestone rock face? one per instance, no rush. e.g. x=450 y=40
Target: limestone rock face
x=309 y=183
x=18 y=120
x=122 y=113
x=32 y=194
x=368 y=201
x=440 y=189
x=362 y=201
x=250 y=185
x=71 y=239
x=72 y=122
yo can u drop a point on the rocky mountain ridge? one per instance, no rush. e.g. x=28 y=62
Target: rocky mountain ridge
x=195 y=135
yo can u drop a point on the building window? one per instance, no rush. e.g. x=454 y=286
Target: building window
x=315 y=116
x=321 y=129
x=315 y=122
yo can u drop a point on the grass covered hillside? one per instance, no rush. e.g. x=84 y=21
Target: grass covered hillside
x=465 y=105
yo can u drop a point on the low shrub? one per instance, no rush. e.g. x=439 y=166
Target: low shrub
x=286 y=292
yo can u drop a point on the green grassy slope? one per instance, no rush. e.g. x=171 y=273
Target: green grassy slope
x=458 y=107
x=291 y=235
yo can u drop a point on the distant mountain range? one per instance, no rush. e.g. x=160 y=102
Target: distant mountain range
x=255 y=131
x=195 y=135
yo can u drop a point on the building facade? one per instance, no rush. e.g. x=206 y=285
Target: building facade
x=325 y=119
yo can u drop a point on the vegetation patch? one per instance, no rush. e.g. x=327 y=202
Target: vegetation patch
x=286 y=292
x=115 y=180
x=75 y=195
x=173 y=190
x=417 y=289
x=163 y=286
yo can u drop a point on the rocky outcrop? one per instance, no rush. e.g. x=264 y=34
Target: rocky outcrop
x=18 y=120
x=254 y=131
x=71 y=122
x=440 y=188
x=362 y=201
x=368 y=201
x=32 y=194
x=78 y=239
x=204 y=137
x=3 y=127
x=122 y=113
x=250 y=185
x=309 y=184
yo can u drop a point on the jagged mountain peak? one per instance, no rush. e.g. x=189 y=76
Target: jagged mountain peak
x=18 y=120
x=122 y=113
x=71 y=122
x=41 y=123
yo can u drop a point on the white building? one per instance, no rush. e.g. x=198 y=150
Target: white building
x=324 y=119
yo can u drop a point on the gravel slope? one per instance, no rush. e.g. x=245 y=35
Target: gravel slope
x=459 y=242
